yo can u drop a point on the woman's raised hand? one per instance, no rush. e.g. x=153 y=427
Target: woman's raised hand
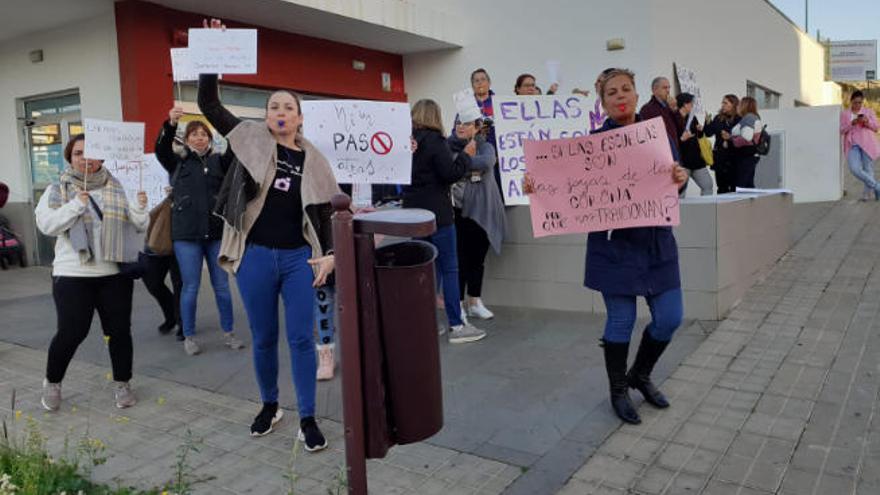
x=174 y=115
x=213 y=24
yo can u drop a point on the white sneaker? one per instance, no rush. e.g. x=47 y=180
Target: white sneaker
x=51 y=399
x=462 y=334
x=326 y=361
x=191 y=347
x=479 y=311
x=124 y=396
x=232 y=342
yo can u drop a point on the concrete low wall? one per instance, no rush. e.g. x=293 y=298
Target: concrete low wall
x=726 y=243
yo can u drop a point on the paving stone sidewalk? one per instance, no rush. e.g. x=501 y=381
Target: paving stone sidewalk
x=142 y=442
x=783 y=397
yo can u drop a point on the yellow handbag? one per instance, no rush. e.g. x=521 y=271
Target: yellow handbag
x=706 y=151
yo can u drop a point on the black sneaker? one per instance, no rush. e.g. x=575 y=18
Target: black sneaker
x=179 y=334
x=311 y=437
x=269 y=416
x=166 y=327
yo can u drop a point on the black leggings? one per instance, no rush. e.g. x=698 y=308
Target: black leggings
x=76 y=299
x=746 y=165
x=473 y=245
x=157 y=268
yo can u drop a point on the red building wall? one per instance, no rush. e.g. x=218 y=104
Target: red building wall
x=145 y=33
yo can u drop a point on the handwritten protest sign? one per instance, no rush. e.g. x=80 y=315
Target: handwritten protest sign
x=181 y=66
x=109 y=140
x=617 y=179
x=518 y=118
x=230 y=51
x=687 y=83
x=367 y=142
x=131 y=173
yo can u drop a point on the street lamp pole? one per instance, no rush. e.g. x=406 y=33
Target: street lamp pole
x=807 y=16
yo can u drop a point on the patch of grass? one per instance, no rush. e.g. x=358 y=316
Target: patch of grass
x=26 y=468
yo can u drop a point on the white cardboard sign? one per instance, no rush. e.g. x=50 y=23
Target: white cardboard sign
x=153 y=175
x=366 y=142
x=229 y=51
x=109 y=140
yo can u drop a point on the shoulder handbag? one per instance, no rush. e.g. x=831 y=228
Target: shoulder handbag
x=131 y=269
x=159 y=232
x=706 y=151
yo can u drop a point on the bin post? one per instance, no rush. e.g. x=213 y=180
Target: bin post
x=364 y=401
x=349 y=345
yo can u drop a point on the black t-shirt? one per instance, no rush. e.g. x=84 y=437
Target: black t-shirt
x=280 y=224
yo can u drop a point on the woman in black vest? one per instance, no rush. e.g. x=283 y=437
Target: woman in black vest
x=196 y=176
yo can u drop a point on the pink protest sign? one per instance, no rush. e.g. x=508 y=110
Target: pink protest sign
x=613 y=180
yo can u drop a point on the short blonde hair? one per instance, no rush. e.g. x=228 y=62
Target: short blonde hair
x=610 y=74
x=426 y=115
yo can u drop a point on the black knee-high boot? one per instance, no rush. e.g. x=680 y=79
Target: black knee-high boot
x=615 y=365
x=639 y=377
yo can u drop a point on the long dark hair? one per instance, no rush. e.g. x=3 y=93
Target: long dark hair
x=520 y=80
x=734 y=101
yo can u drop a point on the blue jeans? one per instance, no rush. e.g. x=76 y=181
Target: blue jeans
x=264 y=275
x=861 y=165
x=189 y=257
x=666 y=315
x=447 y=271
x=325 y=302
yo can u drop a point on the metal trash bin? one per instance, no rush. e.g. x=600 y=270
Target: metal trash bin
x=406 y=289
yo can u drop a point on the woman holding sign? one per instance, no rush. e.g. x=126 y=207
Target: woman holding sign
x=627 y=263
x=277 y=239
x=196 y=175
x=96 y=230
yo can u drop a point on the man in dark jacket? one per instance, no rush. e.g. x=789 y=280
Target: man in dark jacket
x=659 y=107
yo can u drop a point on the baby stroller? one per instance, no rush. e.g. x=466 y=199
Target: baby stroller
x=11 y=247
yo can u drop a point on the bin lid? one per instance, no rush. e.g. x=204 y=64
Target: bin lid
x=398 y=222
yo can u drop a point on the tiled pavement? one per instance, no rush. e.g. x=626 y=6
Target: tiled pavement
x=143 y=441
x=782 y=398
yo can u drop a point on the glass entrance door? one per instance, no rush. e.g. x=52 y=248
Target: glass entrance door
x=49 y=123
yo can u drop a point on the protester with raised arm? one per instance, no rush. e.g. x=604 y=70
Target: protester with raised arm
x=196 y=175
x=277 y=239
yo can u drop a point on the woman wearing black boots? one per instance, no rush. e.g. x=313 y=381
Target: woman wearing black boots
x=624 y=264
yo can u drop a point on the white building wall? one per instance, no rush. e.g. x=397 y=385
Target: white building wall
x=516 y=36
x=79 y=56
x=729 y=43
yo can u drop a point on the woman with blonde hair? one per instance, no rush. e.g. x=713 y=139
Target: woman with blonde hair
x=277 y=239
x=624 y=264
x=434 y=170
